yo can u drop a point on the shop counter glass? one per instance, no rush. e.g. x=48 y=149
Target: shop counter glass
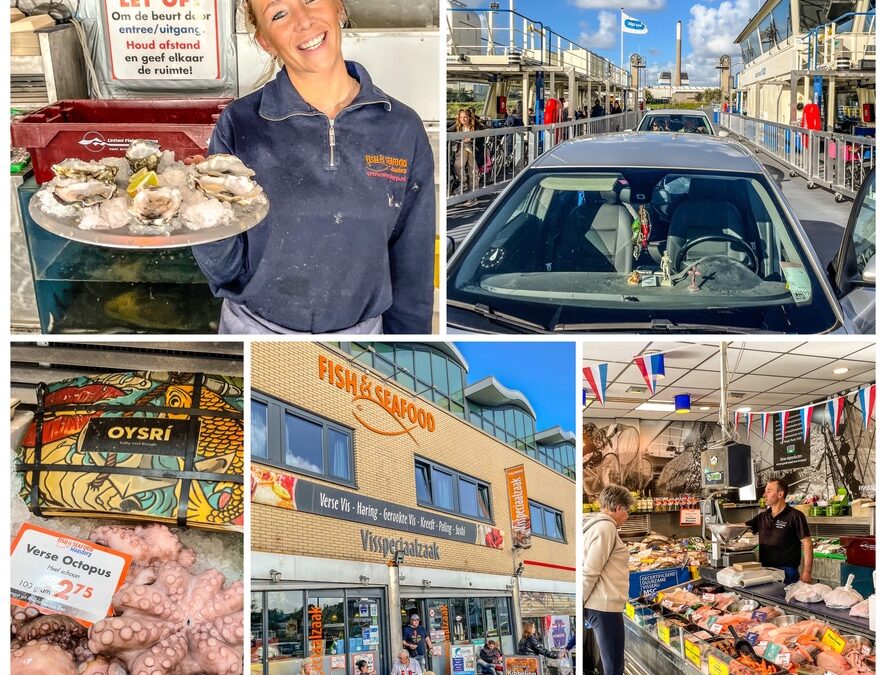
x=91 y=289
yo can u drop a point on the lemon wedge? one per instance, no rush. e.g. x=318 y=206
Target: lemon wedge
x=140 y=179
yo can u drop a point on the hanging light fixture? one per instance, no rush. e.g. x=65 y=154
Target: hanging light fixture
x=682 y=404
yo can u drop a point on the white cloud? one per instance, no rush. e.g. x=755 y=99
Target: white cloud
x=606 y=35
x=712 y=31
x=649 y=5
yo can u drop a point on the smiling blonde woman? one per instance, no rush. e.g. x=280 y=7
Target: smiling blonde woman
x=348 y=244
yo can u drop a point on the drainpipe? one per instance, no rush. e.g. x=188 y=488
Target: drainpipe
x=724 y=385
x=394 y=620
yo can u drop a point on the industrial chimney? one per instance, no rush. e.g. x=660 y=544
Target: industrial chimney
x=678 y=80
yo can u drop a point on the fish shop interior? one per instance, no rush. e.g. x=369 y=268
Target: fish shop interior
x=752 y=470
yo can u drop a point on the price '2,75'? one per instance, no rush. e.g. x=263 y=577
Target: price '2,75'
x=69 y=588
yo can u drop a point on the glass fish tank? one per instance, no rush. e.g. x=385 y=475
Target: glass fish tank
x=82 y=288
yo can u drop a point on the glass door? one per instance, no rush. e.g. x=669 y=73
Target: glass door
x=366 y=631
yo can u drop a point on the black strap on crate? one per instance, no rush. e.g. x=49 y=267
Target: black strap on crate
x=34 y=497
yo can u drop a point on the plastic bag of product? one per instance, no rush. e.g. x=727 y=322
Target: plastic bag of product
x=843 y=597
x=863 y=609
x=803 y=592
x=729 y=577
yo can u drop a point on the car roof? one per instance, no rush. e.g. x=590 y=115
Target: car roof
x=676 y=111
x=647 y=150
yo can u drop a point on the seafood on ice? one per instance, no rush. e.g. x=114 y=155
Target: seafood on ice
x=156 y=205
x=83 y=193
x=81 y=170
x=227 y=178
x=143 y=154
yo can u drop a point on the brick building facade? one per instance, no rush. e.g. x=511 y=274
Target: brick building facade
x=401 y=507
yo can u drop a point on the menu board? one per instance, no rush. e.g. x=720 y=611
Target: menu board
x=793 y=451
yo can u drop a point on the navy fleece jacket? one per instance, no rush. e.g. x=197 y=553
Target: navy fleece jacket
x=350 y=231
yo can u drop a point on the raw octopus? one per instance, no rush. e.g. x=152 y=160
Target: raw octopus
x=175 y=624
x=168 y=621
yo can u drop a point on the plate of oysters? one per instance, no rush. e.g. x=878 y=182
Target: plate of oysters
x=148 y=199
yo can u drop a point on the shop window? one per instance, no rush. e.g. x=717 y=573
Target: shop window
x=475 y=619
x=441 y=382
x=256 y=651
x=384 y=358
x=504 y=617
x=457 y=615
x=423 y=367
x=546 y=522
x=294 y=439
x=286 y=622
x=449 y=490
x=332 y=629
x=259 y=429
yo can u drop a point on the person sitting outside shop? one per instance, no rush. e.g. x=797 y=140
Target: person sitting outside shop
x=531 y=645
x=405 y=665
x=490 y=656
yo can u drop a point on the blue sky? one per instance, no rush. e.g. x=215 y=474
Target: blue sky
x=709 y=30
x=543 y=371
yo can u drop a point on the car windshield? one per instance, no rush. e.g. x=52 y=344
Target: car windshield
x=578 y=249
x=676 y=122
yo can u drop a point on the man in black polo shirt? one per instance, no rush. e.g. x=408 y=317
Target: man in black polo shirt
x=783 y=533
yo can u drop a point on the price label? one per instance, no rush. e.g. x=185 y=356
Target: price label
x=716 y=666
x=667 y=604
x=693 y=653
x=64 y=575
x=833 y=641
x=709 y=597
x=758 y=616
x=664 y=632
x=716 y=628
x=752 y=638
x=783 y=659
x=630 y=611
x=773 y=649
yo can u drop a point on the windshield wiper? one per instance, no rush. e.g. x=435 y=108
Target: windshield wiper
x=657 y=326
x=494 y=315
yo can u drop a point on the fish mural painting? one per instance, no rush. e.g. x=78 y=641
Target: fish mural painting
x=159 y=446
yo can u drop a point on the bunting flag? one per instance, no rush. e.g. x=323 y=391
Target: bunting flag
x=866 y=398
x=806 y=420
x=649 y=366
x=835 y=412
x=735 y=421
x=596 y=377
x=749 y=420
x=783 y=419
x=765 y=422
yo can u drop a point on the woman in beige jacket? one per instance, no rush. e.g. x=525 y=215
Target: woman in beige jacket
x=606 y=577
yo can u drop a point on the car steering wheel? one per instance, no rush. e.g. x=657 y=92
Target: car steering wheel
x=753 y=263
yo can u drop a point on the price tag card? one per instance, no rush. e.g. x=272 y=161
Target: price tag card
x=664 y=632
x=693 y=653
x=668 y=604
x=832 y=640
x=709 y=597
x=716 y=628
x=64 y=575
x=716 y=666
x=690 y=517
x=630 y=611
x=773 y=649
x=758 y=616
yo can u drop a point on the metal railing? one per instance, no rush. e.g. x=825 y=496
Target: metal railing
x=483 y=162
x=838 y=162
x=504 y=33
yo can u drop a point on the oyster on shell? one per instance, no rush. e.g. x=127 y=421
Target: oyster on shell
x=142 y=154
x=223 y=165
x=80 y=170
x=82 y=193
x=229 y=188
x=156 y=205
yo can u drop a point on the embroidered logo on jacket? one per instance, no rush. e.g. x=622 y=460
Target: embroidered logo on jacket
x=382 y=166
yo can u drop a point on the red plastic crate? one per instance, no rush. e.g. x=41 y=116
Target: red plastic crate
x=88 y=129
x=860 y=550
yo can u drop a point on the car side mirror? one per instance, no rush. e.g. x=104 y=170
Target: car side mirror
x=869 y=276
x=450 y=247
x=723 y=134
